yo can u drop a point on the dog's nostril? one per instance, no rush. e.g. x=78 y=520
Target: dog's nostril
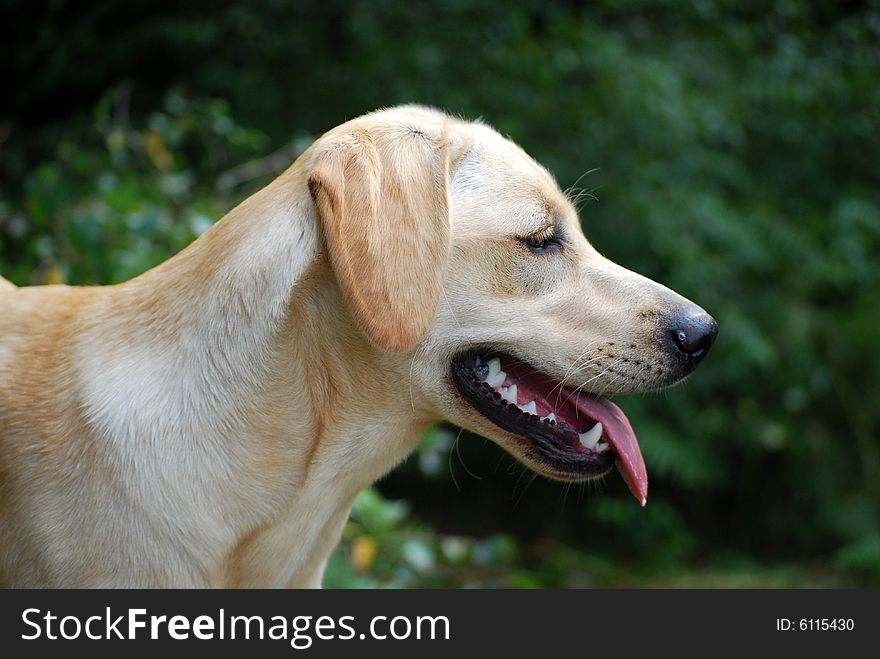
x=694 y=334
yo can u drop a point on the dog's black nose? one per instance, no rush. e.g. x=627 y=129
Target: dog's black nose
x=693 y=333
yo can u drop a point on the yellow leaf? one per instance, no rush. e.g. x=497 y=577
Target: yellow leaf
x=156 y=149
x=363 y=552
x=53 y=276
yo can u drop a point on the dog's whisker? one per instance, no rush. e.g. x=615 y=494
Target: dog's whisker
x=581 y=195
x=451 y=310
x=565 y=491
x=561 y=385
x=461 y=459
x=573 y=186
x=527 y=485
x=615 y=377
x=412 y=400
x=578 y=390
x=577 y=370
x=522 y=472
x=581 y=356
x=449 y=462
x=572 y=370
x=609 y=381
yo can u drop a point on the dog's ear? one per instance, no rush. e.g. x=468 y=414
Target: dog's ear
x=381 y=190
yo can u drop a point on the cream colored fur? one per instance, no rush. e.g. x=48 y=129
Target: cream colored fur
x=210 y=422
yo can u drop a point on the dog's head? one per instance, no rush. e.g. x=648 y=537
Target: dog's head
x=456 y=249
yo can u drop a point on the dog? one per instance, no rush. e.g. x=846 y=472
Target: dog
x=210 y=422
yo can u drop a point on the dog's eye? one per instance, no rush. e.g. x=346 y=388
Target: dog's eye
x=546 y=242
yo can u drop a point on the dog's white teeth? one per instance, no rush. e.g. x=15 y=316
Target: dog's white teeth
x=601 y=447
x=496 y=380
x=530 y=408
x=551 y=417
x=590 y=439
x=496 y=376
x=508 y=393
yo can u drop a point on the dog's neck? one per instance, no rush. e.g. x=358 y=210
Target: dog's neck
x=263 y=374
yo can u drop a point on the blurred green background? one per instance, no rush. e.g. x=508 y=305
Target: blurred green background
x=730 y=150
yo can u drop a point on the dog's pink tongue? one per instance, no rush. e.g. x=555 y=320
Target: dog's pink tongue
x=619 y=434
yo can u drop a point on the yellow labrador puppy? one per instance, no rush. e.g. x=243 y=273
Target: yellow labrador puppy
x=210 y=422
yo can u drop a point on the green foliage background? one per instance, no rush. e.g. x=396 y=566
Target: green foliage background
x=727 y=149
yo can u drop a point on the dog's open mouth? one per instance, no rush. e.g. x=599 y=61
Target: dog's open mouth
x=575 y=436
